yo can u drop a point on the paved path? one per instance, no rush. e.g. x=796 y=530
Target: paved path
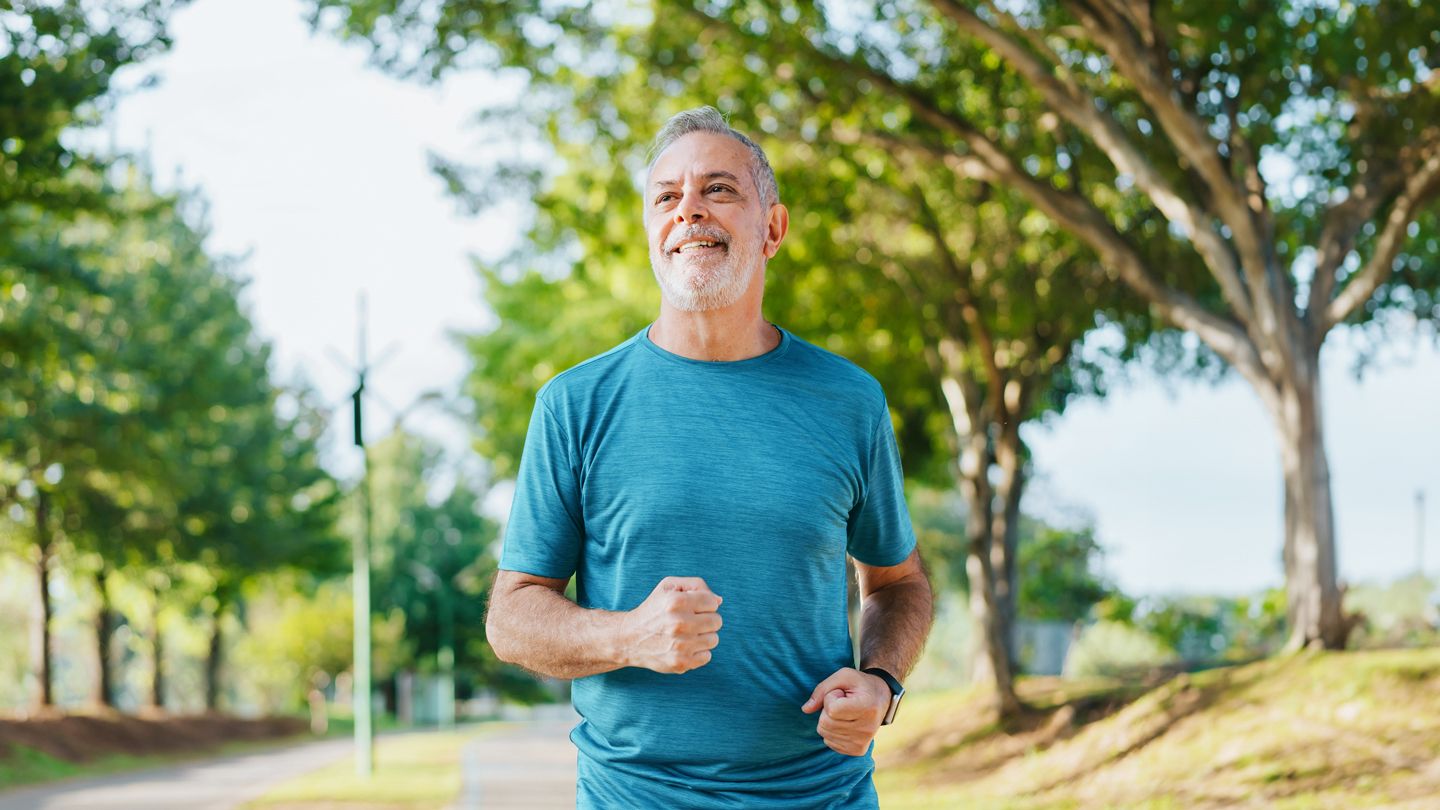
x=528 y=767
x=217 y=784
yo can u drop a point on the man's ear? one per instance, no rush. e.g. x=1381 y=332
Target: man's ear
x=776 y=226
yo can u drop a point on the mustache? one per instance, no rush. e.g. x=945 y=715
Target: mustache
x=708 y=232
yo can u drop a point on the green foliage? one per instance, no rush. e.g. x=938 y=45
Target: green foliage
x=57 y=61
x=1203 y=630
x=1058 y=576
x=938 y=516
x=136 y=402
x=434 y=551
x=300 y=636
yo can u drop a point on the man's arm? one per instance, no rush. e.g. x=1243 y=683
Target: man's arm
x=530 y=622
x=896 y=611
x=895 y=616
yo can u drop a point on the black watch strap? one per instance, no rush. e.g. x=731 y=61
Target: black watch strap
x=896 y=692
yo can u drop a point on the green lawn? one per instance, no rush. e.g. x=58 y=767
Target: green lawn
x=1331 y=730
x=413 y=771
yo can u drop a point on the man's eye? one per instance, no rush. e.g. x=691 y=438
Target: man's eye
x=719 y=188
x=664 y=198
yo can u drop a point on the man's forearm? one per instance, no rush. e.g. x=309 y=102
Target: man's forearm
x=542 y=631
x=894 y=622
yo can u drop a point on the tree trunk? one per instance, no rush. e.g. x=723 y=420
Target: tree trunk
x=992 y=661
x=40 y=637
x=1005 y=539
x=157 y=680
x=212 y=660
x=104 y=632
x=1313 y=604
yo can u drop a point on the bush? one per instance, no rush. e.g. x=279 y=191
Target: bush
x=1108 y=648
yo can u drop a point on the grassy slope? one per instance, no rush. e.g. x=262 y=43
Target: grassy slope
x=1326 y=730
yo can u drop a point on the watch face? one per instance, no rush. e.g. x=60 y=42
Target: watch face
x=894 y=707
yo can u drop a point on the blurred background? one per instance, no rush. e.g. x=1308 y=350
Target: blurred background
x=1151 y=287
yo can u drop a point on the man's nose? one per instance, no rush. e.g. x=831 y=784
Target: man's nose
x=690 y=209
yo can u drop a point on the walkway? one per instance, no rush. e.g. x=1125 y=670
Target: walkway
x=218 y=784
x=528 y=767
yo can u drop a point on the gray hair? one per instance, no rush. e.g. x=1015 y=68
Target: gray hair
x=709 y=119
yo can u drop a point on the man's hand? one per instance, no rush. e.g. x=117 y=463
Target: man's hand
x=851 y=705
x=675 y=628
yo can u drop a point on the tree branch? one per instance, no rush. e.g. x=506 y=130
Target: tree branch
x=969 y=308
x=1195 y=145
x=1421 y=185
x=1068 y=99
x=1068 y=208
x=1341 y=227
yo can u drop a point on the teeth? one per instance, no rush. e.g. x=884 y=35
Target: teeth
x=689 y=245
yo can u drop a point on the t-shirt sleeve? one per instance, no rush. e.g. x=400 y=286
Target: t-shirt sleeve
x=880 y=532
x=544 y=533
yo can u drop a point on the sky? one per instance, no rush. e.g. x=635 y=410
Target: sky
x=314 y=164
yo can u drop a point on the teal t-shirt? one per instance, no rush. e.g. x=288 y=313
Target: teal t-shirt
x=758 y=476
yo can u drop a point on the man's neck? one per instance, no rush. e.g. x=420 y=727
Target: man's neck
x=733 y=333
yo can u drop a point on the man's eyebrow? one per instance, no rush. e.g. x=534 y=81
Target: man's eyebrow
x=708 y=176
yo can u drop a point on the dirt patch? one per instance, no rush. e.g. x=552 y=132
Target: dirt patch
x=85 y=737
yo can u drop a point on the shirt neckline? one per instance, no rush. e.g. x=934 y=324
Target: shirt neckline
x=643 y=337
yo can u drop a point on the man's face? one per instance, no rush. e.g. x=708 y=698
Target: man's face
x=709 y=231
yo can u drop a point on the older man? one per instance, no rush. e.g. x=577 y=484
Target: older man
x=704 y=482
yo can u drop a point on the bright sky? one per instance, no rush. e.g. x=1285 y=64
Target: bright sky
x=316 y=164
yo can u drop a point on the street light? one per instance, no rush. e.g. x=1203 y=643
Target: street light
x=360 y=554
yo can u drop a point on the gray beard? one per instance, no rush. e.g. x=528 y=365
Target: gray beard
x=723 y=284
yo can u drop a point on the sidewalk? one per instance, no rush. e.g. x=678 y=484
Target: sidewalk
x=529 y=766
x=218 y=784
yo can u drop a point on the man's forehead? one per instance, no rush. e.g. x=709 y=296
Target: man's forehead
x=701 y=154
x=707 y=176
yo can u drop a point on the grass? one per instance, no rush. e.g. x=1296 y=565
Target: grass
x=1318 y=730
x=413 y=771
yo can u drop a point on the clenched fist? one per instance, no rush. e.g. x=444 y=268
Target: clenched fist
x=851 y=704
x=675 y=628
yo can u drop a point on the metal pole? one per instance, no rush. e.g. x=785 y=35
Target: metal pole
x=364 y=730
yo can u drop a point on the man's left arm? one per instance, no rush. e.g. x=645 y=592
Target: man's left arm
x=896 y=610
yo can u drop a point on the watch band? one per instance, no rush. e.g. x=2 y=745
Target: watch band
x=896 y=692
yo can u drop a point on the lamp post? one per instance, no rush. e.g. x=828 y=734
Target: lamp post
x=362 y=701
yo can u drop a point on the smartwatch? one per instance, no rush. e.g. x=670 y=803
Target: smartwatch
x=896 y=692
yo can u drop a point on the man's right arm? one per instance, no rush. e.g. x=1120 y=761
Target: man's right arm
x=531 y=623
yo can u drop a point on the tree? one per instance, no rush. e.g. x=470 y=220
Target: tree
x=55 y=71
x=1258 y=174
x=968 y=320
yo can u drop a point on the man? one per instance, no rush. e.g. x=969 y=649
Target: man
x=704 y=481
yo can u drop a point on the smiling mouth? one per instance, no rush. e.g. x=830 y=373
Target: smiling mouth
x=698 y=246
